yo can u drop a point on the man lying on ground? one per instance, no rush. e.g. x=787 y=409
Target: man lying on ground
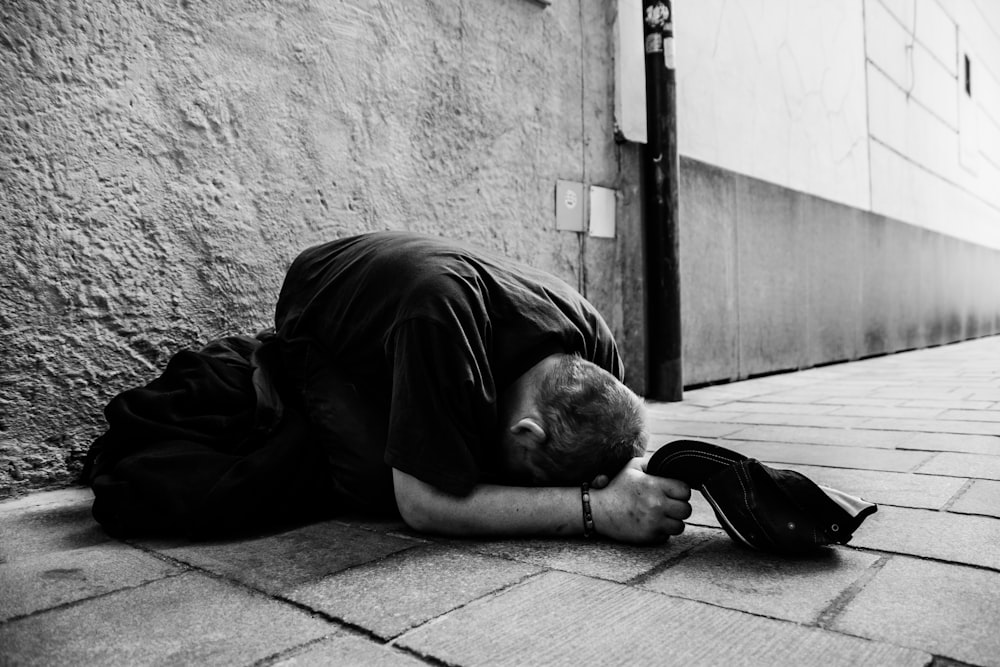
x=471 y=393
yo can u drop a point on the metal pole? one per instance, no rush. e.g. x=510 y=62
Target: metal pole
x=660 y=184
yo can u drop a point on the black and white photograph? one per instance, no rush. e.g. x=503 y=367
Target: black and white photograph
x=525 y=333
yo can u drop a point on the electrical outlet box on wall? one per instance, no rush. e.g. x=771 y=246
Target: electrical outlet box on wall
x=570 y=206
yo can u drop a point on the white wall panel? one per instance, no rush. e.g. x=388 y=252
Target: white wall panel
x=906 y=192
x=935 y=30
x=858 y=101
x=775 y=89
x=902 y=10
x=885 y=40
x=909 y=63
x=911 y=129
x=989 y=139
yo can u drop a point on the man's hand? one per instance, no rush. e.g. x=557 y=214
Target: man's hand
x=641 y=508
x=633 y=507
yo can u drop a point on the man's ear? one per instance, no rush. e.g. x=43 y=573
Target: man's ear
x=529 y=428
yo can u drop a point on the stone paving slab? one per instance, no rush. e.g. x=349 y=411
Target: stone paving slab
x=783 y=408
x=948 y=391
x=794 y=589
x=980 y=466
x=834 y=456
x=716 y=416
x=701 y=401
x=347 y=649
x=973 y=415
x=981 y=497
x=389 y=596
x=595 y=558
x=77 y=497
x=277 y=563
x=674 y=410
x=34 y=529
x=946 y=404
x=958 y=538
x=897 y=412
x=52 y=579
x=950 y=442
x=571 y=617
x=933 y=426
x=822 y=436
x=779 y=419
x=795 y=397
x=866 y=401
x=185 y=620
x=696 y=429
x=940 y=608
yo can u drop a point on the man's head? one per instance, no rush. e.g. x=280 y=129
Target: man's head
x=570 y=421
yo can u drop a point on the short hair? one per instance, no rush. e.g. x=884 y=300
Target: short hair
x=594 y=423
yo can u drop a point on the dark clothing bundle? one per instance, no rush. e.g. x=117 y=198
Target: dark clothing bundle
x=208 y=448
x=390 y=351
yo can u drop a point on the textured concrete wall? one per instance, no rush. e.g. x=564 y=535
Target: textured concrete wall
x=163 y=162
x=774 y=279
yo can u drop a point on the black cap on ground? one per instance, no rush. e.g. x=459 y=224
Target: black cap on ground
x=765 y=508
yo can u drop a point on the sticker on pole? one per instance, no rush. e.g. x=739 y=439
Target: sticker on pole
x=657 y=19
x=658 y=16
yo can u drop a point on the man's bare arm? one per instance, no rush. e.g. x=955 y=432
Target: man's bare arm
x=634 y=507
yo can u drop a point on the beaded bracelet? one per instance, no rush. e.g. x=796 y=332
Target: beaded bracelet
x=588 y=517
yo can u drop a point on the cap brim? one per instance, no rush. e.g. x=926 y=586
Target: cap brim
x=691 y=461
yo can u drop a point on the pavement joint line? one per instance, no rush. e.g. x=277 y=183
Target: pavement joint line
x=643 y=577
x=814 y=624
x=351 y=628
x=496 y=592
x=939 y=474
x=961 y=513
x=958 y=494
x=335 y=621
x=549 y=568
x=873 y=550
x=290 y=651
x=944 y=510
x=826 y=616
x=929 y=559
x=489 y=594
x=424 y=657
x=339 y=622
x=341 y=625
x=97 y=596
x=832 y=610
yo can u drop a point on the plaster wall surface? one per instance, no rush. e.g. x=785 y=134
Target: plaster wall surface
x=775 y=89
x=863 y=103
x=164 y=162
x=934 y=140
